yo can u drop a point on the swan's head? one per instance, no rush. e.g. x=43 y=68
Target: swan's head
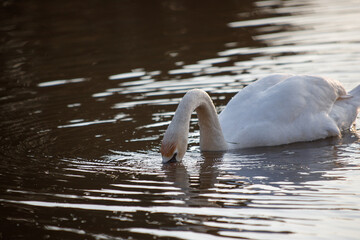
x=173 y=146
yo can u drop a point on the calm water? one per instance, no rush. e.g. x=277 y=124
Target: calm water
x=89 y=87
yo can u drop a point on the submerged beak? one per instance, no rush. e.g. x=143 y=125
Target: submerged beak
x=173 y=159
x=170 y=160
x=168 y=152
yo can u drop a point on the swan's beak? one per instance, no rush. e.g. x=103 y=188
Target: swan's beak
x=169 y=152
x=169 y=160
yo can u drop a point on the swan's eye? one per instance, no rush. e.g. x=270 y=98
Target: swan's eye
x=173 y=159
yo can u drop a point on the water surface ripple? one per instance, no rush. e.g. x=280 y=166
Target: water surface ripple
x=88 y=89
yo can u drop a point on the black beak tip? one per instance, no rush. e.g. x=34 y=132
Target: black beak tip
x=173 y=159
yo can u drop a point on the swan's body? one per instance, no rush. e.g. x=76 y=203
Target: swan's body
x=275 y=110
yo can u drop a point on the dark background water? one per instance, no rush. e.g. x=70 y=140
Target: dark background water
x=89 y=87
x=46 y=41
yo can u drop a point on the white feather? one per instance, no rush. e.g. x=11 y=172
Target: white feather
x=275 y=110
x=281 y=109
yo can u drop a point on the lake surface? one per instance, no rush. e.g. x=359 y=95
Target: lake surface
x=89 y=87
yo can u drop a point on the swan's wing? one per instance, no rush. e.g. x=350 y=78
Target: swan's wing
x=259 y=86
x=288 y=109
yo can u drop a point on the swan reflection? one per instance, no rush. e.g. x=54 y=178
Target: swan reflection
x=248 y=174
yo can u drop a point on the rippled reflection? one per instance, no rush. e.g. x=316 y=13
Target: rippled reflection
x=88 y=89
x=237 y=194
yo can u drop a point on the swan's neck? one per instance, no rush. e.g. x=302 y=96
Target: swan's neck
x=211 y=136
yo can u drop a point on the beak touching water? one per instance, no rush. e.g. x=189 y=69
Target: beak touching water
x=168 y=153
x=171 y=160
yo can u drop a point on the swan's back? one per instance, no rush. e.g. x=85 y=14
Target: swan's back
x=281 y=109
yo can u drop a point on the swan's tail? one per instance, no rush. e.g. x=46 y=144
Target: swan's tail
x=346 y=109
x=355 y=92
x=356 y=95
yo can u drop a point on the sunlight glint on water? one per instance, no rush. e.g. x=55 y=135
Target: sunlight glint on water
x=85 y=106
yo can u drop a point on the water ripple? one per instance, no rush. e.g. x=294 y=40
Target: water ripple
x=84 y=107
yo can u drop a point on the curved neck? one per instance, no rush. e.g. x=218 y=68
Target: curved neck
x=211 y=136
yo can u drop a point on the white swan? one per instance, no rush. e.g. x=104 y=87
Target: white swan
x=278 y=109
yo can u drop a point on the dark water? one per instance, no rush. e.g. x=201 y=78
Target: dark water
x=89 y=87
